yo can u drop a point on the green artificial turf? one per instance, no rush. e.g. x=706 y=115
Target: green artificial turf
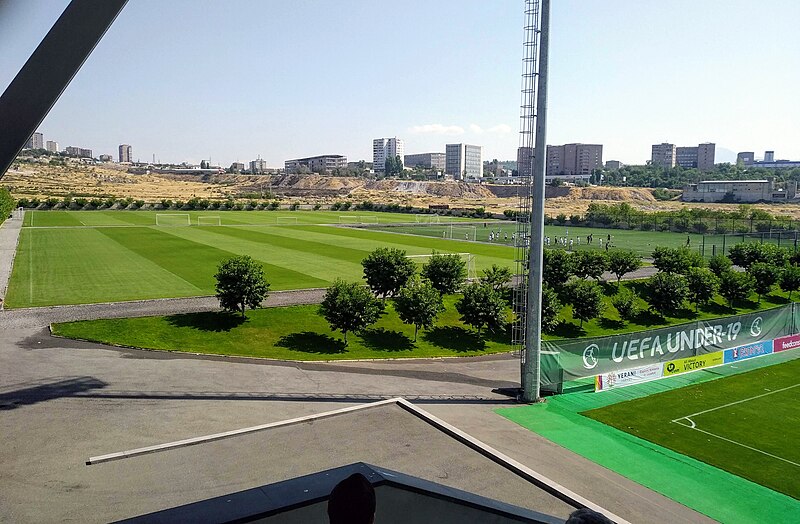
x=755 y=438
x=292 y=333
x=720 y=495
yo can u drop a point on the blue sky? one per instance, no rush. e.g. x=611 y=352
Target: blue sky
x=185 y=80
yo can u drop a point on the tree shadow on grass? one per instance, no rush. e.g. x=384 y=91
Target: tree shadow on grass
x=217 y=321
x=610 y=323
x=310 y=342
x=775 y=299
x=454 y=338
x=381 y=339
x=569 y=330
x=715 y=308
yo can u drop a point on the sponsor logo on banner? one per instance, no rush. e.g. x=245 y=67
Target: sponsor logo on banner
x=684 y=365
x=748 y=351
x=786 y=343
x=589 y=360
x=628 y=377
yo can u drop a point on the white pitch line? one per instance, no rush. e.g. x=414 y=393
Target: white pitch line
x=743 y=445
x=734 y=403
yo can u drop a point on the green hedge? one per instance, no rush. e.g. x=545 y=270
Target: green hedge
x=6 y=204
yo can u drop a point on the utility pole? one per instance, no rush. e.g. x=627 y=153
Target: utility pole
x=531 y=371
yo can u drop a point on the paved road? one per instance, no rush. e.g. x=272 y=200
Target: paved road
x=9 y=237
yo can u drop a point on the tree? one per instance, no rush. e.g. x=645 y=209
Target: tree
x=418 y=303
x=676 y=259
x=746 y=254
x=620 y=263
x=240 y=284
x=497 y=276
x=590 y=264
x=790 y=279
x=481 y=306
x=349 y=306
x=445 y=272
x=764 y=277
x=586 y=298
x=386 y=270
x=702 y=284
x=734 y=285
x=666 y=292
x=551 y=309
x=718 y=264
x=625 y=304
x=557 y=267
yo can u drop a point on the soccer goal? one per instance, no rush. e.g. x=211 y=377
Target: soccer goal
x=464 y=232
x=428 y=219
x=173 y=219
x=366 y=219
x=468 y=258
x=209 y=221
x=348 y=219
x=287 y=221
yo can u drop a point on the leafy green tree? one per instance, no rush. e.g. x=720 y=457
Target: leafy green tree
x=625 y=303
x=497 y=276
x=586 y=298
x=590 y=264
x=790 y=280
x=676 y=260
x=764 y=277
x=446 y=272
x=734 y=285
x=240 y=284
x=666 y=292
x=557 y=267
x=718 y=264
x=386 y=270
x=551 y=309
x=620 y=263
x=349 y=306
x=481 y=306
x=746 y=254
x=702 y=285
x=418 y=303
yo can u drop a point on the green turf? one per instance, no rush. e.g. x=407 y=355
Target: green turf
x=756 y=438
x=294 y=333
x=707 y=489
x=75 y=257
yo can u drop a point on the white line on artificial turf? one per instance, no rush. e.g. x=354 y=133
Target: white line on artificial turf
x=693 y=426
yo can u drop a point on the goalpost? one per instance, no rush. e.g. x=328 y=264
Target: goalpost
x=173 y=219
x=209 y=221
x=463 y=232
x=348 y=219
x=364 y=219
x=428 y=219
x=468 y=258
x=287 y=220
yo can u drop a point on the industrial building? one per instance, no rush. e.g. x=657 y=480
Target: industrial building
x=739 y=191
x=316 y=164
x=426 y=160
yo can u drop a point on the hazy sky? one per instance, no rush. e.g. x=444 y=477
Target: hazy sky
x=233 y=79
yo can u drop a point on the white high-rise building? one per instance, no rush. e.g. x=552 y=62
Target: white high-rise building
x=36 y=141
x=383 y=148
x=52 y=146
x=464 y=161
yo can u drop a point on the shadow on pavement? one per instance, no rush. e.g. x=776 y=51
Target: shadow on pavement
x=43 y=392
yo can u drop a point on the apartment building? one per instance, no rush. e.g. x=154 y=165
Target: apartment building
x=464 y=161
x=51 y=146
x=316 y=164
x=383 y=148
x=573 y=161
x=664 y=155
x=36 y=141
x=125 y=153
x=434 y=161
x=79 y=152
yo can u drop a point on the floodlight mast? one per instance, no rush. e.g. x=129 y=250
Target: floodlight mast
x=535 y=31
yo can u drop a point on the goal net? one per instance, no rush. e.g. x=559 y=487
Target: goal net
x=463 y=233
x=209 y=221
x=173 y=219
x=428 y=219
x=348 y=219
x=287 y=220
x=468 y=258
x=368 y=219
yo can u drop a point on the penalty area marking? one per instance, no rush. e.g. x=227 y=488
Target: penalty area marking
x=692 y=425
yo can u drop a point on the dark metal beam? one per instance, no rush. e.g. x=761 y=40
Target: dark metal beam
x=49 y=70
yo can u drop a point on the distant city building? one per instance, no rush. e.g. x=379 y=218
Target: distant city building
x=51 y=146
x=125 y=153
x=36 y=141
x=79 y=152
x=706 y=156
x=573 y=161
x=237 y=167
x=106 y=158
x=258 y=166
x=316 y=164
x=739 y=191
x=614 y=165
x=525 y=161
x=464 y=161
x=383 y=148
x=663 y=155
x=747 y=159
x=686 y=157
x=434 y=161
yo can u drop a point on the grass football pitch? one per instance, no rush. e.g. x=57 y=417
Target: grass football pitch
x=77 y=257
x=745 y=424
